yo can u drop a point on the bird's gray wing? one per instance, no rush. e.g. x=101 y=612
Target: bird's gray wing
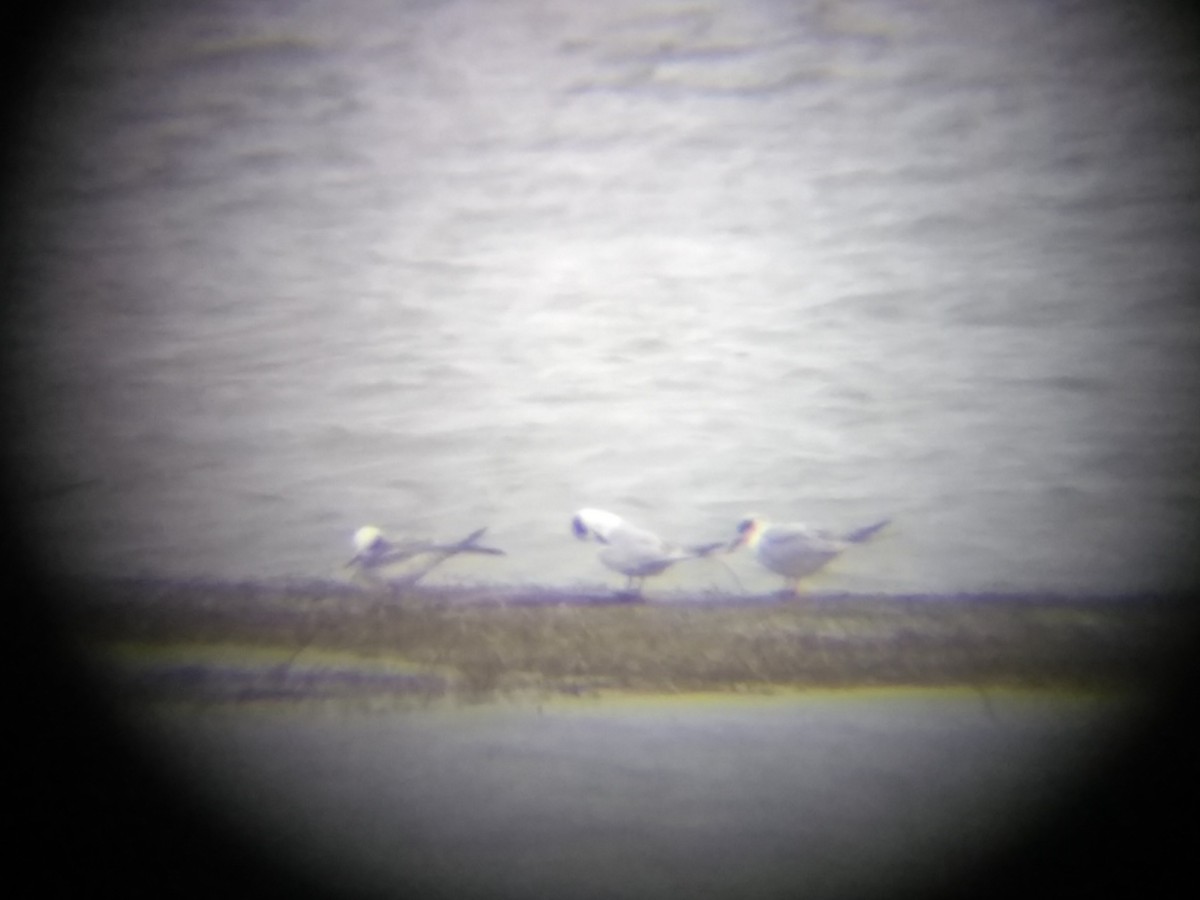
x=797 y=552
x=393 y=553
x=466 y=545
x=469 y=545
x=796 y=537
x=632 y=548
x=637 y=559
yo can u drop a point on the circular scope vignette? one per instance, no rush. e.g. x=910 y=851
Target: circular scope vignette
x=536 y=449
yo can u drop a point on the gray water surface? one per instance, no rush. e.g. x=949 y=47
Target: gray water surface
x=826 y=794
x=297 y=267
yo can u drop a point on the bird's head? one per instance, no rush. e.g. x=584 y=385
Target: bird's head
x=367 y=538
x=747 y=532
x=595 y=523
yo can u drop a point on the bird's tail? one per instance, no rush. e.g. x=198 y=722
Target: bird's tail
x=861 y=534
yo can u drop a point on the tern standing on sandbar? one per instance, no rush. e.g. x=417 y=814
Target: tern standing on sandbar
x=797 y=551
x=632 y=551
x=375 y=552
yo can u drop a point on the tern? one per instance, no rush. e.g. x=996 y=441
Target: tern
x=632 y=551
x=797 y=551
x=374 y=551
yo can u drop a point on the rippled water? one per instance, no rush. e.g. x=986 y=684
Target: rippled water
x=293 y=268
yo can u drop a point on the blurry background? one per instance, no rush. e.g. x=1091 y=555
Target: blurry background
x=291 y=268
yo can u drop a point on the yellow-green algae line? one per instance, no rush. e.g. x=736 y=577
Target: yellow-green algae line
x=992 y=703
x=655 y=702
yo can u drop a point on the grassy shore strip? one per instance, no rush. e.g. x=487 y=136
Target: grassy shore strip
x=475 y=640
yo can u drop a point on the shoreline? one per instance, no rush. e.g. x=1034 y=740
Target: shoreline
x=219 y=642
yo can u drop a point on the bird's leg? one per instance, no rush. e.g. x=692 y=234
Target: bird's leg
x=633 y=586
